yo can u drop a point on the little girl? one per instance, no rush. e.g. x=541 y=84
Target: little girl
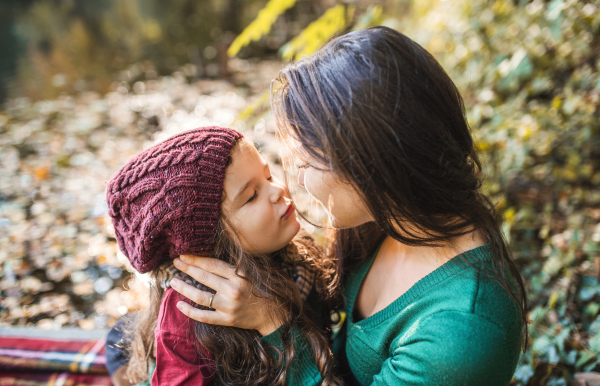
x=208 y=192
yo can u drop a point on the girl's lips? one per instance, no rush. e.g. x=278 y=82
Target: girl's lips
x=289 y=211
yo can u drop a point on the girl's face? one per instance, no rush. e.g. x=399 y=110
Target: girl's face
x=341 y=201
x=255 y=202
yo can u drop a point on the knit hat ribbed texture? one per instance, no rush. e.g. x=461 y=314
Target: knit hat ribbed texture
x=166 y=201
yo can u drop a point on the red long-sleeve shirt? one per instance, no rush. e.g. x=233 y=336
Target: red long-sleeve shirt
x=180 y=360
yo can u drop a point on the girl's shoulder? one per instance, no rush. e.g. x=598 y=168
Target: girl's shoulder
x=170 y=319
x=180 y=360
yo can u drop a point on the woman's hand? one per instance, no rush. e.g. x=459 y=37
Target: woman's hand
x=234 y=303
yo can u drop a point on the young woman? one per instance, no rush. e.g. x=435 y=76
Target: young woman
x=209 y=191
x=432 y=295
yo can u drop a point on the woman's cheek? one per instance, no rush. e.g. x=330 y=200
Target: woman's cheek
x=324 y=188
x=313 y=182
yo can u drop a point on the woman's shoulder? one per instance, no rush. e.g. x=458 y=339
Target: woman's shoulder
x=455 y=338
x=463 y=286
x=471 y=286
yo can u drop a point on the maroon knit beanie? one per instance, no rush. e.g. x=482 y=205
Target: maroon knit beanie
x=166 y=201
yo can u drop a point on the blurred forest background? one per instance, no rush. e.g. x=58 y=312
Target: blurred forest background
x=86 y=85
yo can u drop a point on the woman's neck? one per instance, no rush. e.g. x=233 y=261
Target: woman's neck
x=434 y=255
x=397 y=267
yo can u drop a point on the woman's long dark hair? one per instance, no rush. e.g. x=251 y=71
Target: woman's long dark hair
x=380 y=112
x=240 y=356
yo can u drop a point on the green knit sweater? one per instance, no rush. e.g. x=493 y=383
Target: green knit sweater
x=456 y=326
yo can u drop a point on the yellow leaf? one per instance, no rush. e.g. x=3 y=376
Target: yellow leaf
x=553 y=298
x=509 y=216
x=556 y=102
x=261 y=25
x=524 y=131
x=483 y=146
x=248 y=111
x=152 y=31
x=317 y=32
x=501 y=7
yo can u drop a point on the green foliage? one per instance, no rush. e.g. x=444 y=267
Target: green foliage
x=261 y=25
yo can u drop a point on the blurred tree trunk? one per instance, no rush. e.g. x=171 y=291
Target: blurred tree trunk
x=231 y=28
x=8 y=47
x=231 y=17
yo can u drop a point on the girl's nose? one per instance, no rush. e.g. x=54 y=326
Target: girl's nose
x=278 y=190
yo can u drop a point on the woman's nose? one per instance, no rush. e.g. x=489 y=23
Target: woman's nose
x=301 y=176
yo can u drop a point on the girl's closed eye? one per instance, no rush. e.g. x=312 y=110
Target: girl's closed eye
x=253 y=197
x=270 y=178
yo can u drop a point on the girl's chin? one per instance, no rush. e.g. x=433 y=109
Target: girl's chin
x=292 y=228
x=289 y=231
x=295 y=225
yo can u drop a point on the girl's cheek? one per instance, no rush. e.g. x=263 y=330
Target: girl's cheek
x=262 y=215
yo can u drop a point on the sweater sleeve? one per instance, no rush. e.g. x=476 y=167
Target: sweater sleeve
x=180 y=360
x=452 y=348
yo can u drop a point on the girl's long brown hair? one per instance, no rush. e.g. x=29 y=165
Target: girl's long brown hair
x=379 y=111
x=241 y=357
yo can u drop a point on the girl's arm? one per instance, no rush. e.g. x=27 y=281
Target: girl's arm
x=179 y=358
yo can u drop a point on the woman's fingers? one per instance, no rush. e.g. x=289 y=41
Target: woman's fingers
x=234 y=303
x=203 y=316
x=216 y=266
x=218 y=283
x=194 y=294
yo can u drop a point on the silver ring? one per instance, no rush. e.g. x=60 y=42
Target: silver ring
x=212 y=297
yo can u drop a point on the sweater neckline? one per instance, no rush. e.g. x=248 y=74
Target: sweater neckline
x=447 y=269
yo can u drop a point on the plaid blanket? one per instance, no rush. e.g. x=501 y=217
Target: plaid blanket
x=69 y=357
x=53 y=379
